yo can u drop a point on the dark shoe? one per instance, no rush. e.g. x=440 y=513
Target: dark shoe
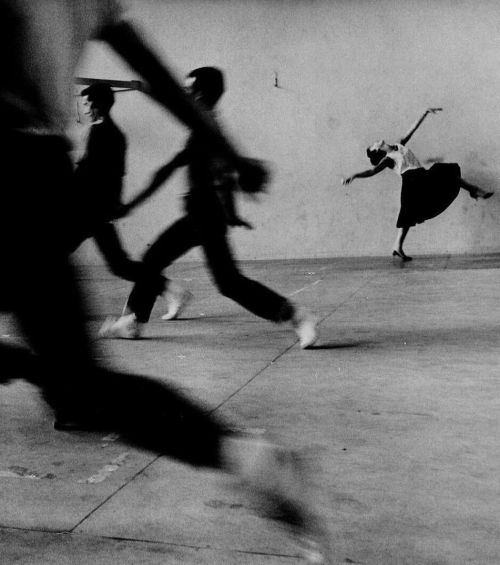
x=401 y=255
x=475 y=194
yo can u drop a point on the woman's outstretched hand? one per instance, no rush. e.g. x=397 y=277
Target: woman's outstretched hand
x=347 y=180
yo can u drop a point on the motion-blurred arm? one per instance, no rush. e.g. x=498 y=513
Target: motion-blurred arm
x=157 y=180
x=162 y=85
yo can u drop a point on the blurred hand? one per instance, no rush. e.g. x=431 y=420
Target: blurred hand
x=347 y=180
x=254 y=175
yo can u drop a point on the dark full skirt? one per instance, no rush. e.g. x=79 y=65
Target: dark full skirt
x=426 y=193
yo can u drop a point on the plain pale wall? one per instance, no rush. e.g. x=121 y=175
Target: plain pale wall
x=348 y=73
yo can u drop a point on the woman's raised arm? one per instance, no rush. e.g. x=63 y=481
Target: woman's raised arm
x=404 y=140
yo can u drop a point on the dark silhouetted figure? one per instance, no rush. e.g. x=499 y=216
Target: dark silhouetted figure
x=98 y=184
x=40 y=43
x=210 y=211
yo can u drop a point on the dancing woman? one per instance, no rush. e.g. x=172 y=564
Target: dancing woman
x=425 y=193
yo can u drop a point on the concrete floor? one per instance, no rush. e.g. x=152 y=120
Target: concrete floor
x=397 y=410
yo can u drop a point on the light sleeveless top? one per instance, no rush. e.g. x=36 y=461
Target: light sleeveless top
x=404 y=159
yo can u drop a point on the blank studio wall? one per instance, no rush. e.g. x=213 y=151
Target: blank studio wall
x=310 y=85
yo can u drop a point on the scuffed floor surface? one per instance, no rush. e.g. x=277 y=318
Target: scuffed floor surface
x=397 y=409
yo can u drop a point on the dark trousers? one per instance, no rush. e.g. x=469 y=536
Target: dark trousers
x=108 y=241
x=193 y=230
x=38 y=285
x=109 y=244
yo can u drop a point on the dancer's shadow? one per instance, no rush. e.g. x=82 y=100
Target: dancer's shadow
x=341 y=345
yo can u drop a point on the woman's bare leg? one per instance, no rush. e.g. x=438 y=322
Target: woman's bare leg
x=398 y=244
x=475 y=191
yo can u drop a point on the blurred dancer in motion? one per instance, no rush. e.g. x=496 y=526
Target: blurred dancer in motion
x=210 y=211
x=40 y=43
x=98 y=184
x=425 y=193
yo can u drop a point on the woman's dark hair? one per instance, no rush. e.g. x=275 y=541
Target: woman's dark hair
x=209 y=81
x=101 y=96
x=375 y=155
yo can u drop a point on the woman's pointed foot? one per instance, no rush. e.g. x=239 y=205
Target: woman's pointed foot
x=401 y=255
x=483 y=194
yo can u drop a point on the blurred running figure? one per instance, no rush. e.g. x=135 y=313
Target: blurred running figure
x=40 y=43
x=210 y=210
x=425 y=193
x=98 y=184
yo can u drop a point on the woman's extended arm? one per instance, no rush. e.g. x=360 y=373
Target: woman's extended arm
x=384 y=164
x=416 y=125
